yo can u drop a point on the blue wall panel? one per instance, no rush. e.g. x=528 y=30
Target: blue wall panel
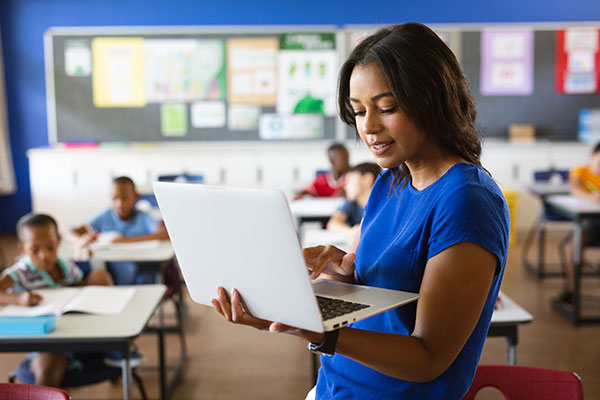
x=23 y=22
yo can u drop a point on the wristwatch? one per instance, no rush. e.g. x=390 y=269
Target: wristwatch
x=327 y=346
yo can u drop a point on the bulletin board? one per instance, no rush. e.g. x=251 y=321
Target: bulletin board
x=555 y=115
x=161 y=84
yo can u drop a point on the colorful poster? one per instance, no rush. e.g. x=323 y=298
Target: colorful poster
x=118 y=72
x=184 y=70
x=78 y=58
x=506 y=62
x=577 y=61
x=208 y=114
x=291 y=126
x=252 y=71
x=173 y=119
x=308 y=68
x=242 y=117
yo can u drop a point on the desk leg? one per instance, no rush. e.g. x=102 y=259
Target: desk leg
x=161 y=362
x=161 y=344
x=127 y=377
x=577 y=273
x=541 y=249
x=512 y=350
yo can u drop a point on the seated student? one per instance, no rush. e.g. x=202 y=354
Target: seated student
x=359 y=181
x=38 y=268
x=584 y=182
x=132 y=224
x=332 y=183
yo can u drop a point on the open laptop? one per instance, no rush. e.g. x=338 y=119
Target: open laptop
x=245 y=239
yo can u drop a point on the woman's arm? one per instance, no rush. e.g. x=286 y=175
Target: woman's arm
x=455 y=286
x=453 y=291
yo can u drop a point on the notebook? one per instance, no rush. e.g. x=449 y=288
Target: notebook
x=105 y=300
x=246 y=239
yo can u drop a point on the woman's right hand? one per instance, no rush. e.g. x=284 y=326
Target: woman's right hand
x=28 y=299
x=330 y=262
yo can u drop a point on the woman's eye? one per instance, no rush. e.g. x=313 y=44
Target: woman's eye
x=358 y=113
x=388 y=110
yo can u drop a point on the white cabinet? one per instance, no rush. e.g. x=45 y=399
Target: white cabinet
x=74 y=184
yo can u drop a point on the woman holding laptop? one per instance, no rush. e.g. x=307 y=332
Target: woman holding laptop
x=436 y=223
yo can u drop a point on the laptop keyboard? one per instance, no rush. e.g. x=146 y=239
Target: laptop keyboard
x=331 y=308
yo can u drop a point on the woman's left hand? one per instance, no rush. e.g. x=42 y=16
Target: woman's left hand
x=231 y=308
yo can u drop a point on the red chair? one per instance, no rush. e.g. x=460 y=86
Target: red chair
x=529 y=383
x=22 y=391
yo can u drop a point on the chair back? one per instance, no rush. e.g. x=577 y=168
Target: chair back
x=546 y=176
x=531 y=383
x=183 y=177
x=22 y=391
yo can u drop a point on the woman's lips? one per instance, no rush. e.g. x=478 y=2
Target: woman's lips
x=378 y=148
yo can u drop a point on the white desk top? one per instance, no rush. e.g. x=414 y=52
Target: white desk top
x=127 y=324
x=547 y=189
x=316 y=206
x=510 y=312
x=148 y=251
x=574 y=205
x=316 y=237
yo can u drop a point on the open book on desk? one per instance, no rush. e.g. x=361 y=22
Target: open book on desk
x=104 y=300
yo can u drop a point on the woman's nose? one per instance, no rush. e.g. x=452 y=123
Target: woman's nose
x=370 y=123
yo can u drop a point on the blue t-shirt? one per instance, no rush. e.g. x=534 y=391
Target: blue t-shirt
x=401 y=230
x=353 y=211
x=140 y=223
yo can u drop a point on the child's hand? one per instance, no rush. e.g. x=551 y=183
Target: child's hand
x=29 y=299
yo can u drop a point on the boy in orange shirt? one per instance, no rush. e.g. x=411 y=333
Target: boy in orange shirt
x=584 y=182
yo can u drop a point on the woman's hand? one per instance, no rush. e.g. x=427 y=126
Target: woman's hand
x=331 y=262
x=28 y=299
x=233 y=311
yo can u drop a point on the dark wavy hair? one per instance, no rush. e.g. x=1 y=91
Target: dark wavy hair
x=427 y=82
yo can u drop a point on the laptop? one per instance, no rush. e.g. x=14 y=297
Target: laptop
x=246 y=239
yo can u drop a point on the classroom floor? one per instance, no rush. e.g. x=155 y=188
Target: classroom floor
x=229 y=362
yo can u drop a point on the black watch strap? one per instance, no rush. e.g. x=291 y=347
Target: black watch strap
x=327 y=346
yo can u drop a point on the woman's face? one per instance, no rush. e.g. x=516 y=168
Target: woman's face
x=389 y=134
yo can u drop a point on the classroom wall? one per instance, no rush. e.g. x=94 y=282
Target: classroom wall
x=23 y=22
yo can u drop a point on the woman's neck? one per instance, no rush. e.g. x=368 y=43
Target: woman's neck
x=432 y=166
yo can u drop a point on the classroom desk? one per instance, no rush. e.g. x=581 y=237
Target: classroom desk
x=505 y=322
x=578 y=210
x=315 y=209
x=86 y=332
x=542 y=190
x=153 y=256
x=316 y=237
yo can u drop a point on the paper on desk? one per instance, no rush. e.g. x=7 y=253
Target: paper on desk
x=100 y=300
x=103 y=300
x=146 y=244
x=104 y=240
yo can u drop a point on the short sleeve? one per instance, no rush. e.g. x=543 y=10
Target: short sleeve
x=472 y=213
x=578 y=172
x=98 y=222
